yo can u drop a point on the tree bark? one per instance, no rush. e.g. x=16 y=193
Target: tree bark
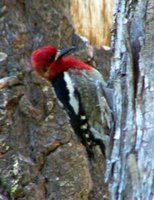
x=131 y=168
x=40 y=156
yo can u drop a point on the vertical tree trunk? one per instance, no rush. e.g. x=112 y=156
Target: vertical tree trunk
x=132 y=75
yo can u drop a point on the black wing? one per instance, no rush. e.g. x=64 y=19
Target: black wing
x=77 y=116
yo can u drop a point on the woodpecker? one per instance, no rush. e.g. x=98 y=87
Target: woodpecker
x=81 y=90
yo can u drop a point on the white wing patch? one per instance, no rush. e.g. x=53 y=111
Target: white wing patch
x=84 y=126
x=72 y=99
x=83 y=117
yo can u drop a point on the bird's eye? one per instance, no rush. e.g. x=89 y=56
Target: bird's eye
x=51 y=59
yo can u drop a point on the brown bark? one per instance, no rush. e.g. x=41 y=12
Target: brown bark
x=40 y=157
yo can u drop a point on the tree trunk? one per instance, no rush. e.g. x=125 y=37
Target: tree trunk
x=40 y=157
x=131 y=168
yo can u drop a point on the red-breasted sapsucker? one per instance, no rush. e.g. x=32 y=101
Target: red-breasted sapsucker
x=81 y=90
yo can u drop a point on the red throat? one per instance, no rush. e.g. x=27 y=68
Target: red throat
x=66 y=63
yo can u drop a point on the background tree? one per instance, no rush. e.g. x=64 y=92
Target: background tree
x=132 y=76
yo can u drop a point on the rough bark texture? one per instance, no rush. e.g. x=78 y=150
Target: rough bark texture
x=40 y=157
x=132 y=162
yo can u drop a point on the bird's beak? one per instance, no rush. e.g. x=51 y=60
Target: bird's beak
x=62 y=52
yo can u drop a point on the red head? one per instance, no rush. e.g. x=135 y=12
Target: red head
x=42 y=58
x=47 y=61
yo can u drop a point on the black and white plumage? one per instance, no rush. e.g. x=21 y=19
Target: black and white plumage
x=83 y=93
x=77 y=91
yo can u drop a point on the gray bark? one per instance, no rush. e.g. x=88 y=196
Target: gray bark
x=131 y=169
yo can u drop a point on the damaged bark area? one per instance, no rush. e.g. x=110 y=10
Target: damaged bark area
x=93 y=20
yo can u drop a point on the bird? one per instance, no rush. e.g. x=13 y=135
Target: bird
x=81 y=91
